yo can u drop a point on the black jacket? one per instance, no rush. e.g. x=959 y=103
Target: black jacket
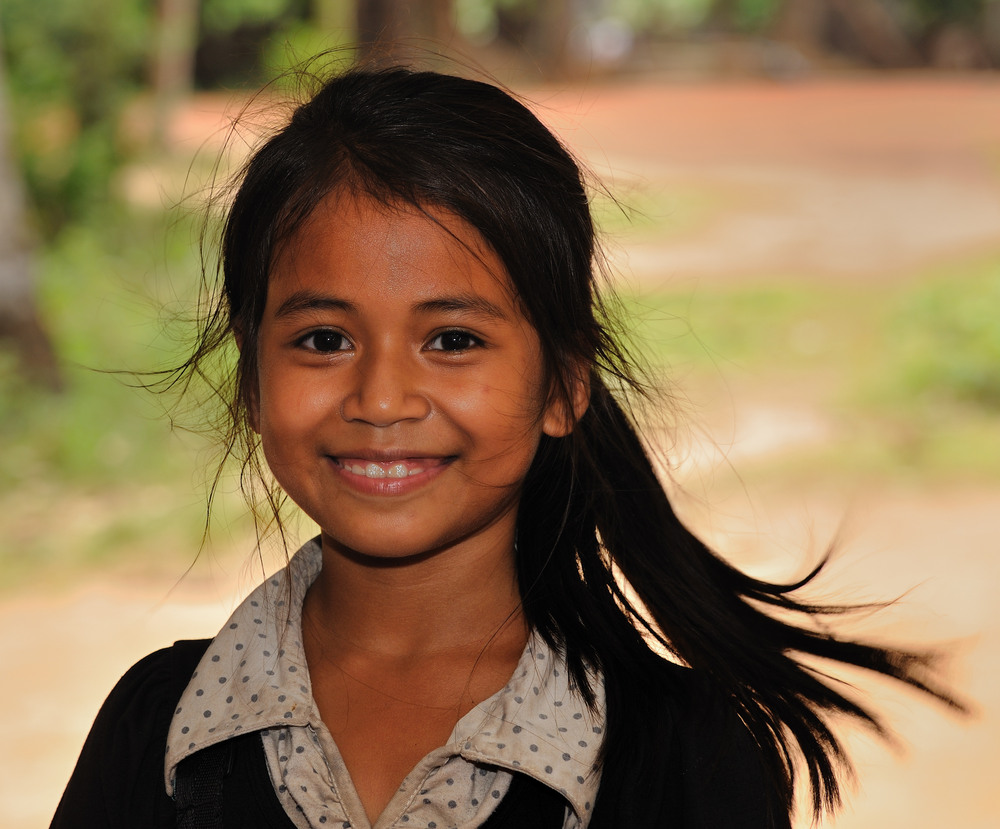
x=710 y=775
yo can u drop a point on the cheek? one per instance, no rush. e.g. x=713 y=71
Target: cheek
x=500 y=399
x=289 y=410
x=503 y=417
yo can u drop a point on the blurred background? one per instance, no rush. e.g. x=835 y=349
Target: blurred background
x=802 y=214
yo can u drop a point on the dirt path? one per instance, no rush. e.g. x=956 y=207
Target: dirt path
x=861 y=179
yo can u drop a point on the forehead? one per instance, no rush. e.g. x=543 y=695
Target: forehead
x=353 y=242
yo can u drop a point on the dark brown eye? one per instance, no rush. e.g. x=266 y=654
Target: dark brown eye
x=453 y=341
x=325 y=341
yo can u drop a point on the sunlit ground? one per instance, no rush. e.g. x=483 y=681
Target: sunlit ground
x=817 y=266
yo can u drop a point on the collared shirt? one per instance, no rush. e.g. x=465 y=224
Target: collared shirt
x=254 y=677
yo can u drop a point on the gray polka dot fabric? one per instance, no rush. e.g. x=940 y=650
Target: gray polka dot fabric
x=254 y=678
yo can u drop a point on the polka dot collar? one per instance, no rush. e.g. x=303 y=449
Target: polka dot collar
x=254 y=677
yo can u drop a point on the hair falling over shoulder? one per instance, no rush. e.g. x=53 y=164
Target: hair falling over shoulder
x=619 y=528
x=594 y=517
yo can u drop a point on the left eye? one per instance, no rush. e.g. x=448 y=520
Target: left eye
x=453 y=341
x=325 y=341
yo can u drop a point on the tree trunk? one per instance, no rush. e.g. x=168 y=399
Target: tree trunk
x=402 y=28
x=555 y=20
x=803 y=23
x=173 y=61
x=336 y=16
x=877 y=32
x=20 y=324
x=721 y=14
x=870 y=27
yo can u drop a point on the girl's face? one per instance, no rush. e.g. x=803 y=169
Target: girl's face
x=401 y=392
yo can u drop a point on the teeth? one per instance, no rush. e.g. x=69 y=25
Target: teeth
x=377 y=470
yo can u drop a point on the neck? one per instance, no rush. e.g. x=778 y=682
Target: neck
x=451 y=601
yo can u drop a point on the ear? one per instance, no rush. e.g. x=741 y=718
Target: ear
x=253 y=407
x=562 y=414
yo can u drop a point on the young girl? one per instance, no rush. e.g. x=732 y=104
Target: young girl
x=424 y=363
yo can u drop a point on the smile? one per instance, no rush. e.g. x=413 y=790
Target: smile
x=395 y=474
x=372 y=469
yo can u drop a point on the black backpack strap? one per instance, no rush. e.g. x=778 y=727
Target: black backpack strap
x=528 y=804
x=198 y=787
x=198 y=784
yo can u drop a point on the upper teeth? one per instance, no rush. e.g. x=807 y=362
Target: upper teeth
x=377 y=470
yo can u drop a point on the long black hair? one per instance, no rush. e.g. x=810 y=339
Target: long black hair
x=594 y=517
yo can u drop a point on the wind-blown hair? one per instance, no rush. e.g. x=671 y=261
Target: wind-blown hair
x=593 y=514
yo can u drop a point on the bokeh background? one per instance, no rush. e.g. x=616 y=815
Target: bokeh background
x=802 y=208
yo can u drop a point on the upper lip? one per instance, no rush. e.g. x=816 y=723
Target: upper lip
x=388 y=455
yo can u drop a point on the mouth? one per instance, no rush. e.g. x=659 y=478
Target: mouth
x=397 y=468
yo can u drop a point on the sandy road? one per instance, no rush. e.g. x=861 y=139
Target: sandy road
x=848 y=179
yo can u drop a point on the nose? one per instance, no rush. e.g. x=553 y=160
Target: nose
x=384 y=391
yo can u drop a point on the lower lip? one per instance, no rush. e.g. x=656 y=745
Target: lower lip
x=391 y=486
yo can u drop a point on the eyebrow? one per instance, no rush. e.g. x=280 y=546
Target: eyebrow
x=476 y=305
x=305 y=301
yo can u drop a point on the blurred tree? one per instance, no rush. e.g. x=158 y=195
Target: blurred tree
x=336 y=16
x=552 y=38
x=889 y=33
x=235 y=39
x=383 y=26
x=226 y=15
x=958 y=34
x=20 y=324
x=872 y=29
x=878 y=32
x=173 y=59
x=72 y=66
x=938 y=12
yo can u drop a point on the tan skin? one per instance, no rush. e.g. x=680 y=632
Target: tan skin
x=392 y=676
x=391 y=340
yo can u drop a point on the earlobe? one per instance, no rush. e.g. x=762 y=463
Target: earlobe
x=562 y=413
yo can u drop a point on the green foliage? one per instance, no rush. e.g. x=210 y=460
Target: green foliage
x=296 y=45
x=922 y=344
x=754 y=15
x=99 y=296
x=71 y=66
x=95 y=472
x=667 y=13
x=752 y=328
x=911 y=368
x=947 y=339
x=227 y=15
x=478 y=17
x=939 y=12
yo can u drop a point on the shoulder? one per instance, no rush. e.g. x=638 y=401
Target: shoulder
x=118 y=779
x=683 y=756
x=141 y=703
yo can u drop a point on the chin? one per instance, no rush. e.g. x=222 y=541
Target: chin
x=386 y=551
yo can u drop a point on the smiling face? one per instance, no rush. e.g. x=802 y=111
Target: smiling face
x=401 y=395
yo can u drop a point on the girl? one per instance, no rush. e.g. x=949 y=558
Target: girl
x=424 y=363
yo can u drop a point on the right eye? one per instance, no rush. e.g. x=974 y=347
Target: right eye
x=325 y=341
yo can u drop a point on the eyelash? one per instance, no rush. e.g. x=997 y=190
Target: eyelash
x=326 y=333
x=470 y=339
